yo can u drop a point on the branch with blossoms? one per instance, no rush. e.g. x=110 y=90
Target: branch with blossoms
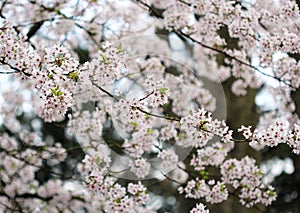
x=232 y=57
x=187 y=34
x=197 y=128
x=139 y=130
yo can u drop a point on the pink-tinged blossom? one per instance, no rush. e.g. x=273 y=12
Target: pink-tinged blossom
x=55 y=106
x=169 y=160
x=157 y=93
x=200 y=208
x=244 y=174
x=268 y=196
x=55 y=153
x=86 y=125
x=107 y=66
x=128 y=114
x=14 y=51
x=140 y=167
x=113 y=196
x=201 y=128
x=162 y=3
x=250 y=196
x=294 y=139
x=58 y=60
x=195 y=189
x=209 y=156
x=168 y=132
x=218 y=193
x=154 y=68
x=55 y=79
x=206 y=100
x=202 y=7
x=139 y=192
x=290 y=9
x=252 y=30
x=239 y=88
x=246 y=131
x=98 y=162
x=8 y=143
x=30 y=156
x=231 y=172
x=142 y=141
x=244 y=25
x=179 y=174
x=177 y=17
x=272 y=135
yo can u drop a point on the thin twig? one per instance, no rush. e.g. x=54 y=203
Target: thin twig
x=138 y=108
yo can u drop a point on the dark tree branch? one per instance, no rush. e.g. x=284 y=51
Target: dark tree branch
x=183 y=35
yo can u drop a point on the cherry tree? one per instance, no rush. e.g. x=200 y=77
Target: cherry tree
x=115 y=106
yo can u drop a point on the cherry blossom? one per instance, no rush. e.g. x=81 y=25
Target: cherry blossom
x=248 y=177
x=170 y=159
x=140 y=167
x=201 y=208
x=90 y=72
x=200 y=127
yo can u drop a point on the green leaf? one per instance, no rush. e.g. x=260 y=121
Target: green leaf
x=204 y=174
x=98 y=160
x=118 y=200
x=50 y=76
x=181 y=136
x=59 y=93
x=74 y=75
x=149 y=131
x=163 y=90
x=103 y=57
x=147 y=116
x=134 y=124
x=53 y=91
x=120 y=49
x=272 y=193
x=222 y=187
x=231 y=166
x=57 y=10
x=259 y=173
x=119 y=46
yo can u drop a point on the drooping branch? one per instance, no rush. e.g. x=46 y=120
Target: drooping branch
x=138 y=108
x=185 y=36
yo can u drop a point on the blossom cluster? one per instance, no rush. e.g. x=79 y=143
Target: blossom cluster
x=14 y=51
x=201 y=128
x=170 y=160
x=22 y=157
x=211 y=191
x=177 y=17
x=117 y=198
x=147 y=105
x=107 y=66
x=213 y=155
x=158 y=94
x=55 y=81
x=87 y=126
x=278 y=131
x=200 y=208
x=246 y=175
